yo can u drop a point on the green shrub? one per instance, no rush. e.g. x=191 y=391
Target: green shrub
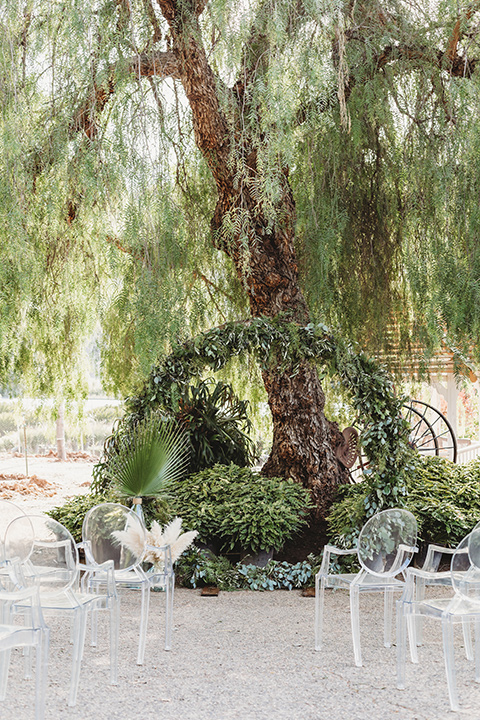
x=199 y=567
x=73 y=511
x=241 y=508
x=444 y=497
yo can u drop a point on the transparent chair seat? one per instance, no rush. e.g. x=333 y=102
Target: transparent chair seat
x=384 y=549
x=431 y=576
x=103 y=532
x=49 y=561
x=366 y=582
x=463 y=607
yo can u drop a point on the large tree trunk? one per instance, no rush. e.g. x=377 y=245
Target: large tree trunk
x=304 y=441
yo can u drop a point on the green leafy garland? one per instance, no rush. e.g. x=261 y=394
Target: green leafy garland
x=285 y=344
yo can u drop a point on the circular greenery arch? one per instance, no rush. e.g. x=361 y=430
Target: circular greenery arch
x=283 y=344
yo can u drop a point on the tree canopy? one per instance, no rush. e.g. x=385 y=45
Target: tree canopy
x=370 y=107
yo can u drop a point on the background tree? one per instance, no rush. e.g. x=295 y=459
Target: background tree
x=191 y=151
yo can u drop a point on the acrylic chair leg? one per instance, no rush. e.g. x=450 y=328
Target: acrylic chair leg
x=319 y=608
x=41 y=674
x=477 y=650
x=27 y=663
x=355 y=621
x=143 y=622
x=401 y=645
x=114 y=633
x=387 y=617
x=448 y=651
x=467 y=639
x=27 y=650
x=419 y=597
x=4 y=665
x=80 y=628
x=411 y=622
x=94 y=627
x=169 y=592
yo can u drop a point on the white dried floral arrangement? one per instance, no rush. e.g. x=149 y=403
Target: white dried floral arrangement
x=134 y=538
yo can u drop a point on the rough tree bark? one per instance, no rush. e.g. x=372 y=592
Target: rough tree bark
x=304 y=441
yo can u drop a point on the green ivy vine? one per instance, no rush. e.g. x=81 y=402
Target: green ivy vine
x=284 y=344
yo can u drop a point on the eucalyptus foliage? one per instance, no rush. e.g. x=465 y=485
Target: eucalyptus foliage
x=198 y=567
x=378 y=407
x=444 y=498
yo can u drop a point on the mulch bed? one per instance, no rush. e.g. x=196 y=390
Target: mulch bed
x=32 y=485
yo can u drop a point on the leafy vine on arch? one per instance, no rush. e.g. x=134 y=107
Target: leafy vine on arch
x=385 y=435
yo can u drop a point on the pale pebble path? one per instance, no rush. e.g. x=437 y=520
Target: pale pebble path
x=243 y=656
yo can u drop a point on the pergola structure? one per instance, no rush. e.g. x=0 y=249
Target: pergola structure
x=442 y=375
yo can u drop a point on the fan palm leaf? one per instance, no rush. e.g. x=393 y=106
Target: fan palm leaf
x=149 y=459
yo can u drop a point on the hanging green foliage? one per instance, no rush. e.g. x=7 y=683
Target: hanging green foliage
x=443 y=496
x=385 y=434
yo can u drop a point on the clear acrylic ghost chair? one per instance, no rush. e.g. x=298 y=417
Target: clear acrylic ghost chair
x=436 y=577
x=384 y=549
x=32 y=633
x=51 y=564
x=8 y=512
x=463 y=607
x=100 y=541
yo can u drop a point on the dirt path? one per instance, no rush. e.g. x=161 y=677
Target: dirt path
x=48 y=483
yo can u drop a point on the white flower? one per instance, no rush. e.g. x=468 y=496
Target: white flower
x=135 y=538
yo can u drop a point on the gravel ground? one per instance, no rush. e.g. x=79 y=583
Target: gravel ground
x=239 y=656
x=246 y=656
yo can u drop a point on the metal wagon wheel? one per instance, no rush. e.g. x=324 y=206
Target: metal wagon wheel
x=430 y=431
x=430 y=434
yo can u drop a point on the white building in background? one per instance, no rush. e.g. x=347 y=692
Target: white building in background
x=452 y=388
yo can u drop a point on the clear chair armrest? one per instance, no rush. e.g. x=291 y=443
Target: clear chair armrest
x=434 y=555
x=329 y=550
x=106 y=569
x=86 y=547
x=408 y=548
x=421 y=573
x=105 y=566
x=332 y=550
x=442 y=549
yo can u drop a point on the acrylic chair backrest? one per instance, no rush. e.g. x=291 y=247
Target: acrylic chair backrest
x=387 y=542
x=46 y=550
x=98 y=534
x=465 y=566
x=8 y=512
